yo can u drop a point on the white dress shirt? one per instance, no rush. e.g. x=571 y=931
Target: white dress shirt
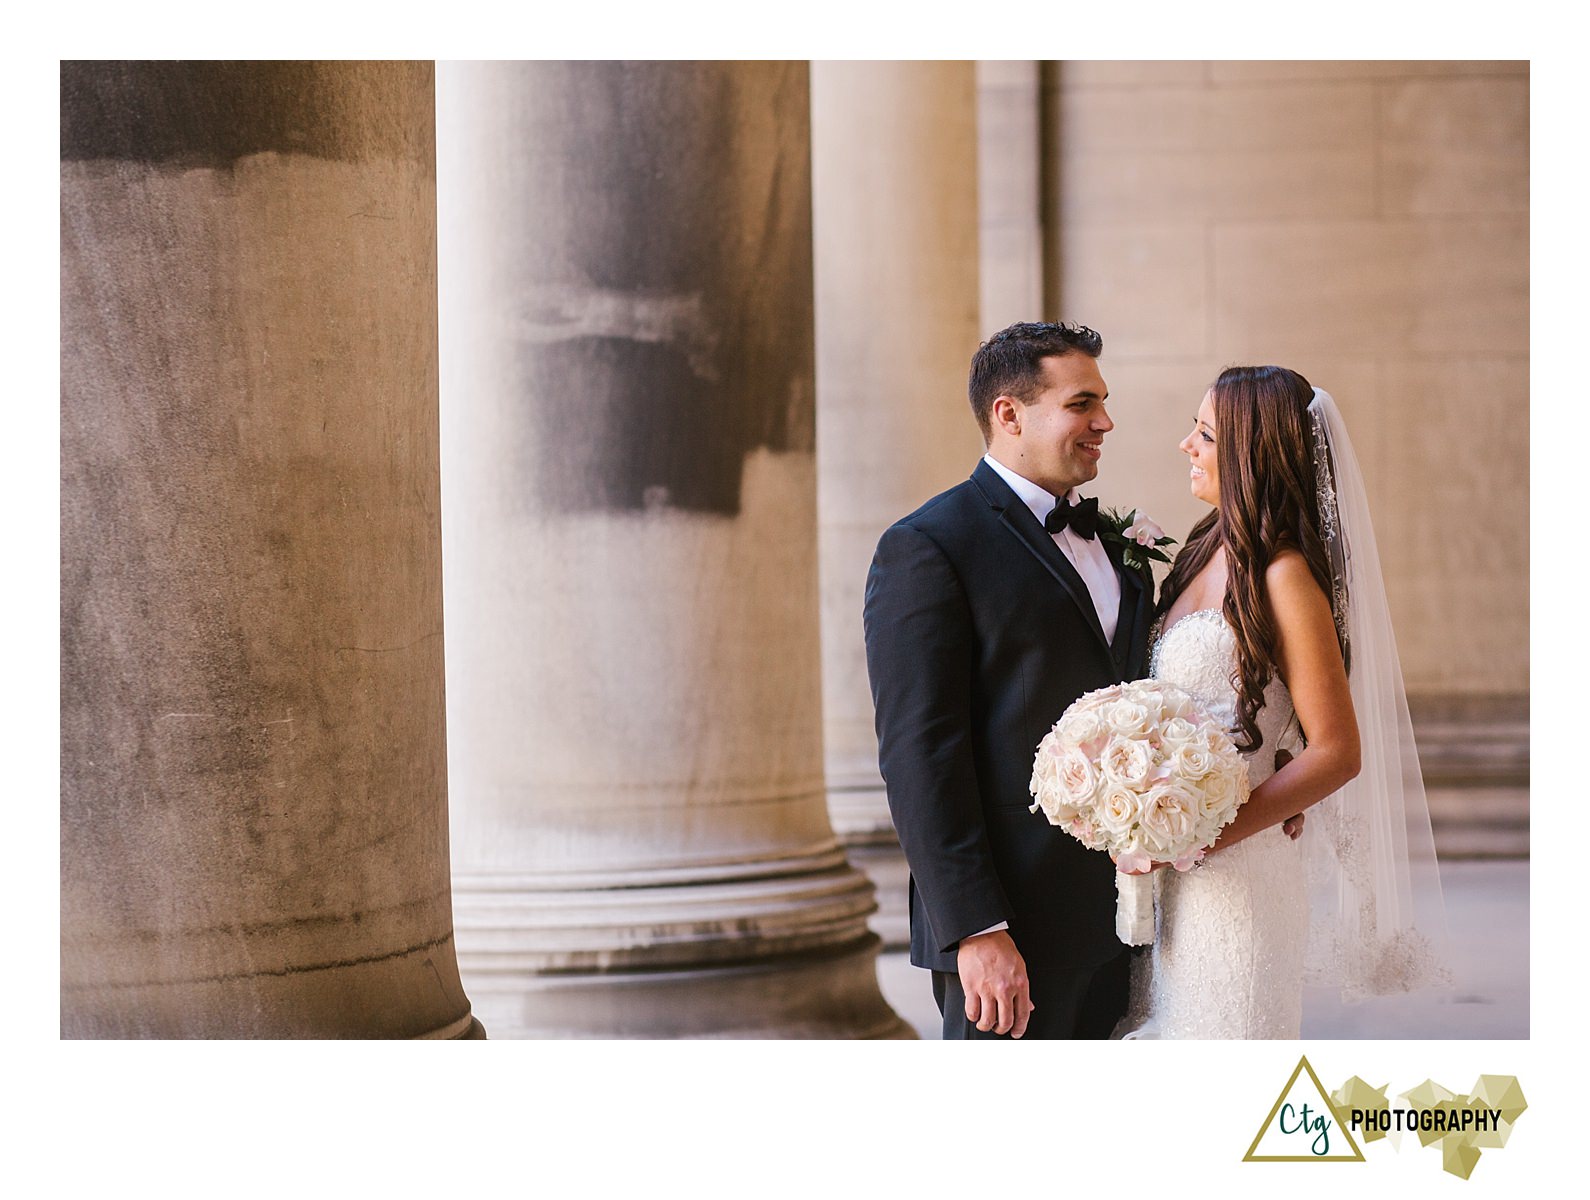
x=1086 y=555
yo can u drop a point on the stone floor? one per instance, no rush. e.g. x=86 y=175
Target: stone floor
x=1487 y=904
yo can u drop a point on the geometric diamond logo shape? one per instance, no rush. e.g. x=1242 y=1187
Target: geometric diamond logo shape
x=1303 y=1125
x=1457 y=1158
x=1356 y=1095
x=1502 y=1092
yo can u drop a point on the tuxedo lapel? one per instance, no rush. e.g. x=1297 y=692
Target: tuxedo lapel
x=1134 y=603
x=1018 y=519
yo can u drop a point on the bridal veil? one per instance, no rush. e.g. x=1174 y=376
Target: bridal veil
x=1377 y=923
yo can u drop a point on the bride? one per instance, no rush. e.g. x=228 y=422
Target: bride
x=1274 y=619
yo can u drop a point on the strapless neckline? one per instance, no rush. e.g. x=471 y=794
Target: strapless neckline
x=1197 y=612
x=1160 y=634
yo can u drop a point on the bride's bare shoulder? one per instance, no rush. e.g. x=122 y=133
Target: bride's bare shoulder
x=1302 y=613
x=1289 y=579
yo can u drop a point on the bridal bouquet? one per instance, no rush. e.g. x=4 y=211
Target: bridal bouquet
x=1137 y=770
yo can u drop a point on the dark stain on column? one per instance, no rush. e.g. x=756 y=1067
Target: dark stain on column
x=210 y=114
x=664 y=265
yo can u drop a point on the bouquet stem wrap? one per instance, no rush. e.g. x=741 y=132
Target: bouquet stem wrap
x=1134 y=908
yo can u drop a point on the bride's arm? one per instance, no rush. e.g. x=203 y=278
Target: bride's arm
x=1310 y=663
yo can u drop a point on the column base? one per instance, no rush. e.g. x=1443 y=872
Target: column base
x=466 y=1029
x=884 y=863
x=858 y=809
x=820 y=995
x=784 y=955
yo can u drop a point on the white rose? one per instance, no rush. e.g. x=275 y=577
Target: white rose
x=1045 y=769
x=1078 y=726
x=1219 y=741
x=1086 y=831
x=1216 y=797
x=1131 y=843
x=1126 y=761
x=1179 y=704
x=1119 y=809
x=1215 y=810
x=1075 y=776
x=1191 y=761
x=1046 y=786
x=1151 y=843
x=1142 y=691
x=1176 y=731
x=1170 y=819
x=1053 y=806
x=1127 y=717
x=1152 y=700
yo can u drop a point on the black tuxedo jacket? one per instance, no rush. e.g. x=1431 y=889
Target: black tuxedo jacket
x=980 y=633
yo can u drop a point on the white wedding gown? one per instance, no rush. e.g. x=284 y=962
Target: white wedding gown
x=1227 y=959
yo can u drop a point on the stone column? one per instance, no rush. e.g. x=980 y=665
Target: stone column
x=641 y=843
x=1009 y=193
x=253 y=757
x=894 y=173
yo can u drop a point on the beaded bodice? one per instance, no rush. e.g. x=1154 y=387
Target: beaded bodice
x=1198 y=653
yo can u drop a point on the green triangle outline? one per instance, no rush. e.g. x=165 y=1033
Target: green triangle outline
x=1302 y=1065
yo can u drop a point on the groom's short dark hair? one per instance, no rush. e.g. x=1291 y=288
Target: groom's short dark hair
x=1011 y=363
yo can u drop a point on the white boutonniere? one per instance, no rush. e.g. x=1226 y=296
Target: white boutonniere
x=1139 y=537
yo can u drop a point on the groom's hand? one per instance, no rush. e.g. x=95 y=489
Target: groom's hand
x=994 y=978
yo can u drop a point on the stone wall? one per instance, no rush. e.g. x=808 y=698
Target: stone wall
x=1364 y=223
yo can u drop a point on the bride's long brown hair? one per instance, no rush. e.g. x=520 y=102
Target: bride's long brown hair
x=1264 y=447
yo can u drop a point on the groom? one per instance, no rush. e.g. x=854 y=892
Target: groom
x=988 y=611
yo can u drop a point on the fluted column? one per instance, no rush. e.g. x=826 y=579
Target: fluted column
x=641 y=845
x=894 y=165
x=253 y=755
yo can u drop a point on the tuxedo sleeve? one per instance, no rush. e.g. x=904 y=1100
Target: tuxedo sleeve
x=920 y=659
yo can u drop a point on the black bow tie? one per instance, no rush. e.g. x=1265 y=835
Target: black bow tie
x=1082 y=519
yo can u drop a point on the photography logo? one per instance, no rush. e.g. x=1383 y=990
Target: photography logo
x=1303 y=1125
x=1459 y=1124
x=1308 y=1124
